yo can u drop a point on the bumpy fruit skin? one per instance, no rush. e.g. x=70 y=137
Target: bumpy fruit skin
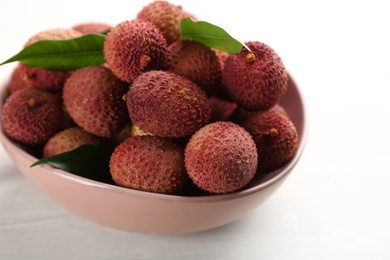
x=121 y=135
x=221 y=157
x=166 y=104
x=93 y=99
x=31 y=116
x=240 y=115
x=53 y=34
x=92 y=27
x=275 y=136
x=198 y=63
x=17 y=81
x=166 y=17
x=149 y=163
x=256 y=80
x=222 y=57
x=41 y=78
x=133 y=47
x=67 y=140
x=221 y=110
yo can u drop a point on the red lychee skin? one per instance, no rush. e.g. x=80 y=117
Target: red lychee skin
x=67 y=140
x=222 y=57
x=41 y=78
x=133 y=47
x=53 y=34
x=166 y=17
x=198 y=63
x=221 y=110
x=92 y=27
x=93 y=99
x=221 y=157
x=240 y=115
x=16 y=81
x=122 y=135
x=149 y=163
x=256 y=80
x=275 y=136
x=166 y=104
x=31 y=116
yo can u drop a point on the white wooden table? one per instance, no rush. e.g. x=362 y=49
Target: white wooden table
x=336 y=203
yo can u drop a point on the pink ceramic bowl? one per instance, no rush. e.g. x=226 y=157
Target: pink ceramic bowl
x=145 y=212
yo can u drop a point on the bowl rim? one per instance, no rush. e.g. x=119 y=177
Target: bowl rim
x=7 y=142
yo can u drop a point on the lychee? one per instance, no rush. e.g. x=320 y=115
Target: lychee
x=240 y=115
x=53 y=34
x=275 y=136
x=221 y=110
x=92 y=27
x=149 y=163
x=198 y=63
x=222 y=57
x=221 y=157
x=93 y=99
x=17 y=81
x=122 y=135
x=41 y=78
x=31 y=116
x=255 y=79
x=166 y=17
x=67 y=140
x=133 y=47
x=166 y=104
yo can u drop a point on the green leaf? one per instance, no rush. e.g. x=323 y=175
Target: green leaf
x=69 y=54
x=89 y=160
x=210 y=35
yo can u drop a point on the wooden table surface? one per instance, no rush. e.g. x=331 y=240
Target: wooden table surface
x=335 y=204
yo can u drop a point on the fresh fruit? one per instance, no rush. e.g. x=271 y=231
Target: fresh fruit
x=41 y=78
x=222 y=57
x=255 y=79
x=275 y=136
x=166 y=104
x=93 y=99
x=197 y=63
x=121 y=135
x=53 y=34
x=166 y=17
x=221 y=157
x=186 y=117
x=240 y=115
x=92 y=27
x=17 y=81
x=221 y=110
x=133 y=47
x=31 y=116
x=67 y=140
x=149 y=163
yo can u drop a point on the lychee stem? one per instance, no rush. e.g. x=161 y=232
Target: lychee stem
x=28 y=76
x=250 y=57
x=273 y=132
x=144 y=61
x=32 y=102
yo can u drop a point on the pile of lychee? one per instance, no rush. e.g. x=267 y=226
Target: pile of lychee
x=175 y=112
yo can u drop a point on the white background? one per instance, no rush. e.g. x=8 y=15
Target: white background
x=335 y=204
